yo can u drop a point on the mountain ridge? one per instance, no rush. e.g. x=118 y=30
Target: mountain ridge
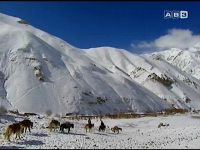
x=41 y=73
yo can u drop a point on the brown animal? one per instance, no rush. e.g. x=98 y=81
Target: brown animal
x=116 y=129
x=15 y=128
x=89 y=127
x=54 y=124
x=26 y=124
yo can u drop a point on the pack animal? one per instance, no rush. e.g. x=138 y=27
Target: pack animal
x=102 y=127
x=54 y=124
x=66 y=125
x=27 y=124
x=15 y=128
x=89 y=127
x=116 y=129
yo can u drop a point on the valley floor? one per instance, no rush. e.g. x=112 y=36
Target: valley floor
x=183 y=132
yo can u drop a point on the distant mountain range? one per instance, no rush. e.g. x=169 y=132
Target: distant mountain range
x=40 y=72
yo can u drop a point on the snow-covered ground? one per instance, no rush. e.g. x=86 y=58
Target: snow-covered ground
x=183 y=132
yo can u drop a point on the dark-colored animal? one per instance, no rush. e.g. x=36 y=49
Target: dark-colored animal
x=116 y=129
x=66 y=125
x=102 y=127
x=89 y=127
x=26 y=124
x=15 y=128
x=54 y=124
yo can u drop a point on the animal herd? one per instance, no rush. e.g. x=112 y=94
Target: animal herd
x=54 y=124
x=21 y=127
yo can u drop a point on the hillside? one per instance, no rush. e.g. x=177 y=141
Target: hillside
x=40 y=73
x=167 y=81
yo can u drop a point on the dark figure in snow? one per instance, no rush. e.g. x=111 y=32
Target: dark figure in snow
x=89 y=121
x=102 y=127
x=66 y=125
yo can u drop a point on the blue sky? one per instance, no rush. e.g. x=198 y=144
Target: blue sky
x=115 y=24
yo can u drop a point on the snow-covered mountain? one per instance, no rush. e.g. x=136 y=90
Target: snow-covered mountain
x=186 y=60
x=40 y=72
x=170 y=83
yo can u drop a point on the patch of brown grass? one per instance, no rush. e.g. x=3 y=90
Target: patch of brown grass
x=173 y=111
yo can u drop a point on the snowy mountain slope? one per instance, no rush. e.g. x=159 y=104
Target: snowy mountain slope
x=117 y=60
x=186 y=60
x=163 y=79
x=41 y=72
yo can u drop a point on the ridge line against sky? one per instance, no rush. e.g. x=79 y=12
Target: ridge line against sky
x=123 y=25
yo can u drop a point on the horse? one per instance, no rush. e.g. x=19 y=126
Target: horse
x=26 y=124
x=66 y=125
x=53 y=125
x=15 y=128
x=102 y=127
x=116 y=129
x=89 y=126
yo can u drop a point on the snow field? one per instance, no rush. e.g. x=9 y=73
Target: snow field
x=183 y=132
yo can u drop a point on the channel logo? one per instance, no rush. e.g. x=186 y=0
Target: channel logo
x=175 y=14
